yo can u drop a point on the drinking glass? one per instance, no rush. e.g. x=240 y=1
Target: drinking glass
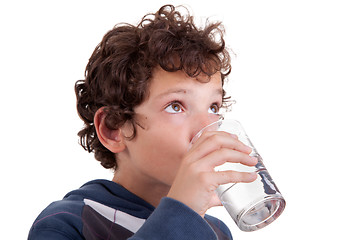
x=251 y=205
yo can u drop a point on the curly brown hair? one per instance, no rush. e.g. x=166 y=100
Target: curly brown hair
x=119 y=71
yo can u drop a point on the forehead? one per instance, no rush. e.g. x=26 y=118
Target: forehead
x=163 y=81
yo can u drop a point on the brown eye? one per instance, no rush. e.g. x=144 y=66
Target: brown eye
x=174 y=107
x=214 y=109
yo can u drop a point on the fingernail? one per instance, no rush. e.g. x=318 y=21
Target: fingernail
x=255 y=159
x=249 y=149
x=254 y=175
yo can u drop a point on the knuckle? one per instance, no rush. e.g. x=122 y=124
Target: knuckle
x=226 y=154
x=226 y=176
x=203 y=178
x=234 y=176
x=215 y=139
x=192 y=168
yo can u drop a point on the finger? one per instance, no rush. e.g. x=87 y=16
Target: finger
x=232 y=139
x=215 y=201
x=221 y=156
x=224 y=177
x=211 y=141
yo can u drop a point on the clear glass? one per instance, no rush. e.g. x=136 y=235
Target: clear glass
x=251 y=205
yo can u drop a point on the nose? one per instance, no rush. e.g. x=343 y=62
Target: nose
x=201 y=121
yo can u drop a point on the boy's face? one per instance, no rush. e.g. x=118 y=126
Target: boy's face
x=177 y=107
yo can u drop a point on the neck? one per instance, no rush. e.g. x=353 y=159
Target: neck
x=142 y=186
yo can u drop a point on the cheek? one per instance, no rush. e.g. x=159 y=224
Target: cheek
x=159 y=155
x=170 y=145
x=164 y=148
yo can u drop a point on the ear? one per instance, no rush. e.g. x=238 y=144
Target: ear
x=111 y=139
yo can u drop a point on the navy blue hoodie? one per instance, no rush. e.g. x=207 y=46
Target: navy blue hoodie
x=103 y=209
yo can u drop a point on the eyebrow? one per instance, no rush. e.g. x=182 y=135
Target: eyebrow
x=173 y=91
x=218 y=91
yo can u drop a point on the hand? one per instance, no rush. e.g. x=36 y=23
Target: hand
x=196 y=180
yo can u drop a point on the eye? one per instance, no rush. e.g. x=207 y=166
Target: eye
x=174 y=107
x=214 y=108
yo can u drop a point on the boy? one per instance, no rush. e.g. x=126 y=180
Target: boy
x=148 y=90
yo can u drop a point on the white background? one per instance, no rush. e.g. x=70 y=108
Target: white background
x=295 y=79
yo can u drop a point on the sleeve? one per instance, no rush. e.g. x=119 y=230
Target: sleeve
x=174 y=220
x=222 y=231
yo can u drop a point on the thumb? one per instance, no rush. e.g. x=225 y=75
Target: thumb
x=215 y=201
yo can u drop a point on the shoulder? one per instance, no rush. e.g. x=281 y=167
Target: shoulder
x=219 y=227
x=59 y=218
